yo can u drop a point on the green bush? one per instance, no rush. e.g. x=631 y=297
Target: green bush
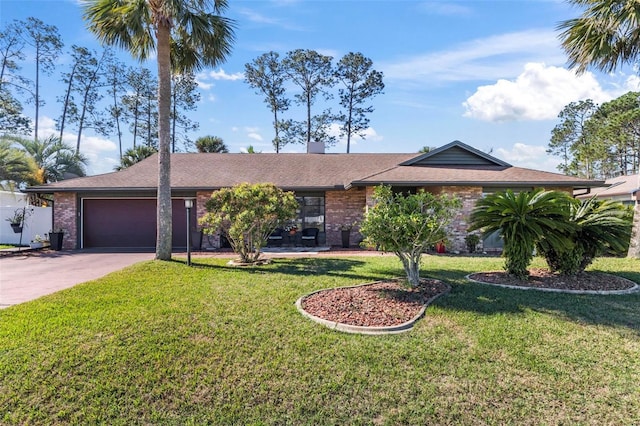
x=247 y=214
x=523 y=220
x=599 y=227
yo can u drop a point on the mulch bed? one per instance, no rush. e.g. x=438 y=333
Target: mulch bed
x=380 y=304
x=391 y=303
x=543 y=278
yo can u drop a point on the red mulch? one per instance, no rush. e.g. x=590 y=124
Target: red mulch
x=379 y=304
x=543 y=278
x=391 y=302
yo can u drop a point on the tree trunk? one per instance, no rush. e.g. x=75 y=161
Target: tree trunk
x=116 y=111
x=164 y=237
x=350 y=119
x=87 y=91
x=308 y=120
x=411 y=265
x=66 y=101
x=275 y=126
x=634 y=244
x=173 y=121
x=37 y=103
x=135 y=122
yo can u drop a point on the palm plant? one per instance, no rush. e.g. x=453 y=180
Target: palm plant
x=523 y=220
x=211 y=144
x=605 y=36
x=15 y=166
x=134 y=155
x=185 y=37
x=601 y=226
x=54 y=160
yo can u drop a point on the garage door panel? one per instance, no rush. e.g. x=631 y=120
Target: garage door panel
x=128 y=223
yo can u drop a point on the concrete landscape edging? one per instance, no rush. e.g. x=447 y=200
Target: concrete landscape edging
x=359 y=329
x=633 y=289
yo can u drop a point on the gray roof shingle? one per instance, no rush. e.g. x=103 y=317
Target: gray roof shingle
x=195 y=171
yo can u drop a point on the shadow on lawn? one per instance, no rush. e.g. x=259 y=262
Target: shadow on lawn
x=303 y=266
x=608 y=310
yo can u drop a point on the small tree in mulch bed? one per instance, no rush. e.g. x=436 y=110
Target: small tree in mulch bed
x=248 y=214
x=408 y=225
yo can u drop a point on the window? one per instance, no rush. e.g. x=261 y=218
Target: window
x=311 y=211
x=404 y=190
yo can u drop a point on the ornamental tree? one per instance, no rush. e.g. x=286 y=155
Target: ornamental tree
x=247 y=214
x=408 y=225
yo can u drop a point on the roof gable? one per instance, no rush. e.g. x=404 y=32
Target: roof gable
x=455 y=153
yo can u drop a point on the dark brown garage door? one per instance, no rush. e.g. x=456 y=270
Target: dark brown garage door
x=129 y=223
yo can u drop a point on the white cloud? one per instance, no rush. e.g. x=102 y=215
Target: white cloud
x=254 y=136
x=254 y=16
x=258 y=18
x=490 y=58
x=101 y=153
x=528 y=156
x=369 y=133
x=329 y=52
x=538 y=93
x=632 y=83
x=222 y=75
x=200 y=77
x=445 y=9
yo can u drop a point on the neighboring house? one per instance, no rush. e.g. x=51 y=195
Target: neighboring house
x=118 y=210
x=625 y=189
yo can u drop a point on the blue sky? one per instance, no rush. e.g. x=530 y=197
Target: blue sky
x=488 y=73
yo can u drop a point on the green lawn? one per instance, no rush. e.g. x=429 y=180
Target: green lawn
x=162 y=343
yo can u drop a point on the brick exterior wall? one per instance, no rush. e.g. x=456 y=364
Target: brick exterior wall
x=208 y=241
x=65 y=212
x=344 y=208
x=457 y=230
x=341 y=208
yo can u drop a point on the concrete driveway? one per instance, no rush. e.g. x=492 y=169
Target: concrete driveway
x=31 y=275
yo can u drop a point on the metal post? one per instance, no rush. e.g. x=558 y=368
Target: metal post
x=188 y=236
x=188 y=203
x=24 y=212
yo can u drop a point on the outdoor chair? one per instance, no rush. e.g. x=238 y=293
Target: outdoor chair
x=309 y=237
x=275 y=239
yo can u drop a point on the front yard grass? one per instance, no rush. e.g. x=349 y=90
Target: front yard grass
x=162 y=343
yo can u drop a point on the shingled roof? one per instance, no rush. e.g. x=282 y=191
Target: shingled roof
x=211 y=171
x=196 y=171
x=625 y=187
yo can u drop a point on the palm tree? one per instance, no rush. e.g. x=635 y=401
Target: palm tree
x=606 y=36
x=602 y=226
x=53 y=160
x=185 y=37
x=523 y=220
x=15 y=165
x=211 y=144
x=135 y=155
